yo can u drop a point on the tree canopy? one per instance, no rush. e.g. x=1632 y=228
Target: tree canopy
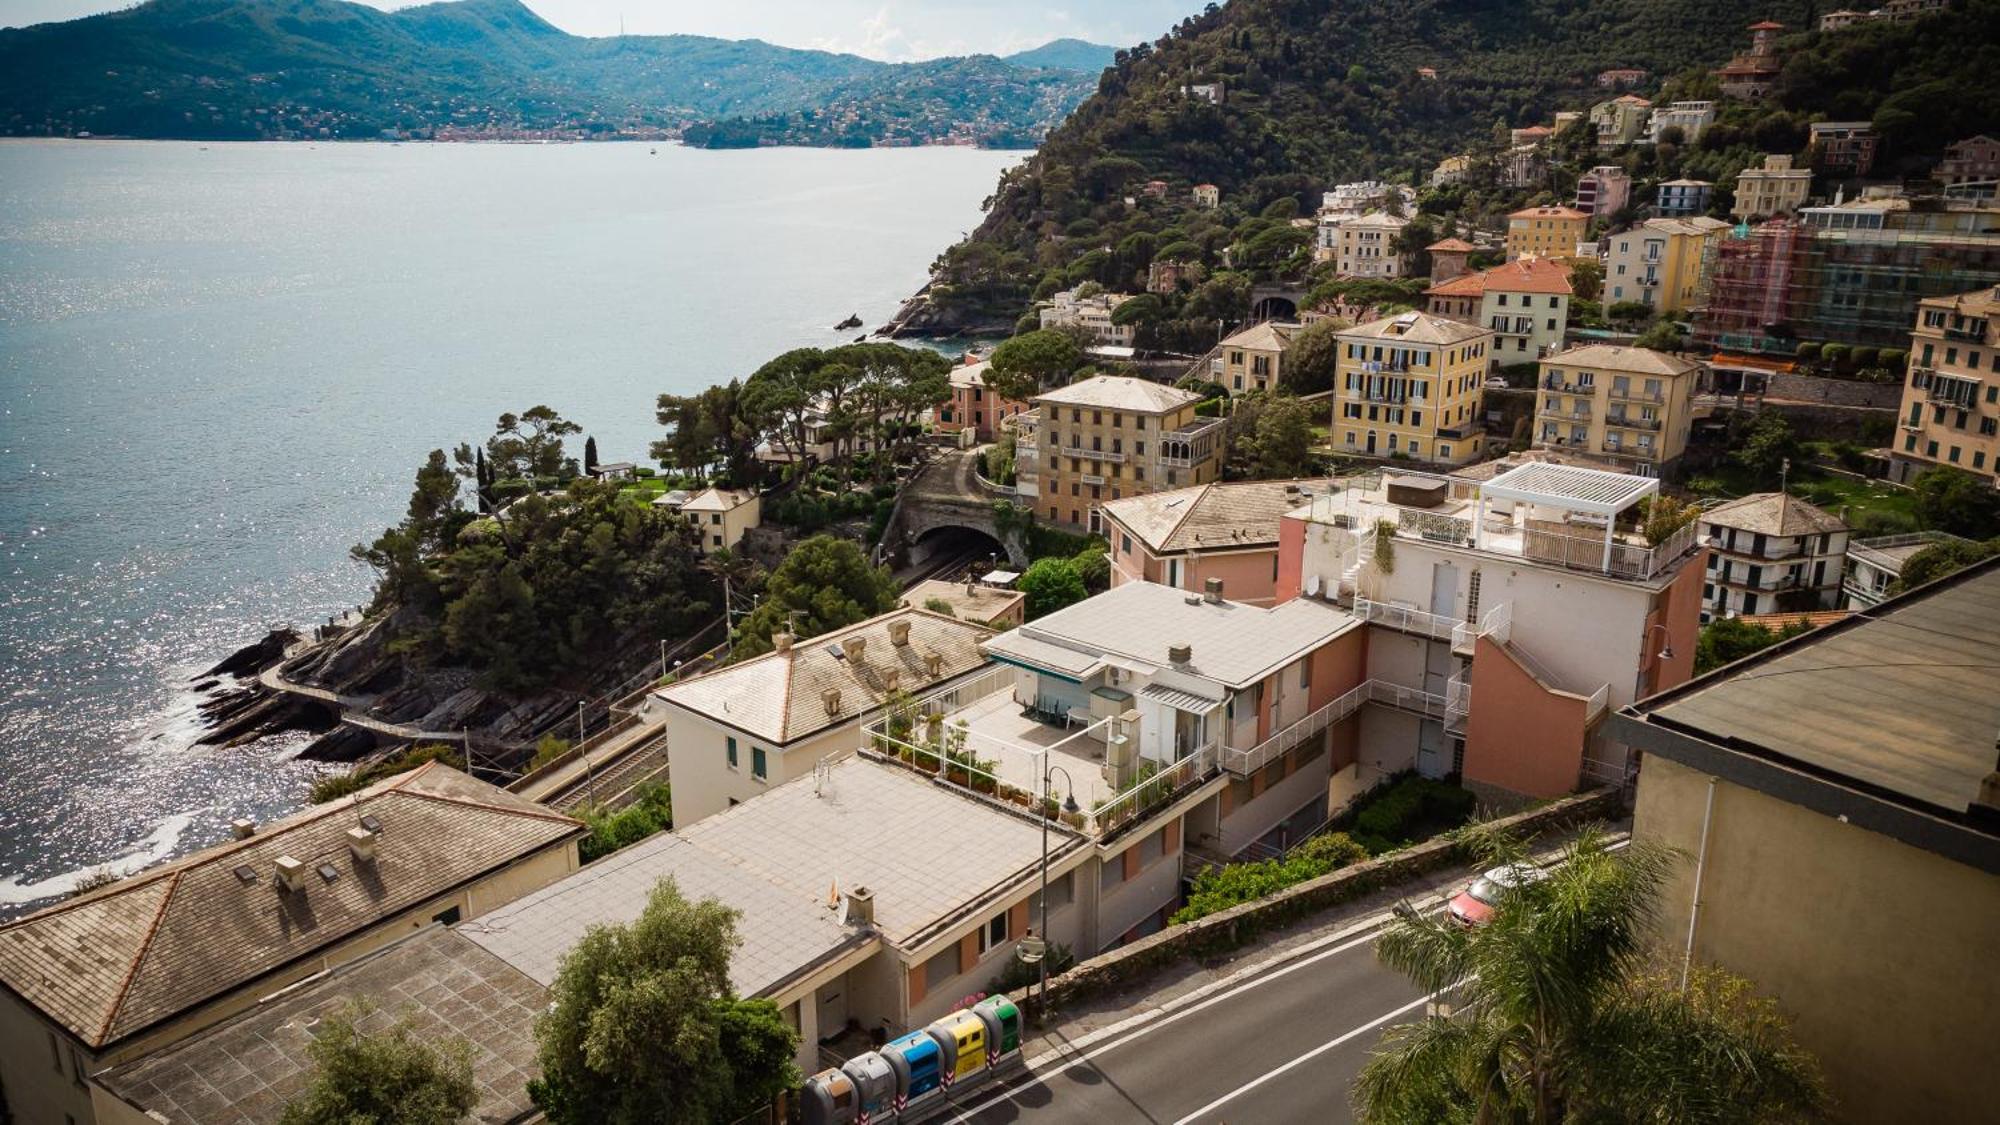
x=1954 y=500
x=642 y=1025
x=388 y=1078
x=825 y=583
x=1032 y=362
x=1558 y=1015
x=1050 y=584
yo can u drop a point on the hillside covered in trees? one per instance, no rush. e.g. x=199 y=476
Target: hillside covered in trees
x=1318 y=92
x=267 y=69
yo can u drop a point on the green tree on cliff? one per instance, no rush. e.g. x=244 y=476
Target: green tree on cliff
x=825 y=583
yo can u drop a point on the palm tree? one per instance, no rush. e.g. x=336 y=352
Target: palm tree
x=1553 y=1012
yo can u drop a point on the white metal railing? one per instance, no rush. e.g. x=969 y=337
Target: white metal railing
x=1245 y=761
x=1153 y=790
x=1498 y=623
x=1405 y=618
x=1599 y=700
x=1457 y=701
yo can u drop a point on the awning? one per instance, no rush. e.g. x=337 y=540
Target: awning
x=1179 y=700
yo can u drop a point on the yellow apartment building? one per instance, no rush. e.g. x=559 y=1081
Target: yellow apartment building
x=1410 y=386
x=1658 y=262
x=1951 y=402
x=1546 y=232
x=1112 y=436
x=1250 y=360
x=1630 y=406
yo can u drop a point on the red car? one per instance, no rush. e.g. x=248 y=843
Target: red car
x=1474 y=905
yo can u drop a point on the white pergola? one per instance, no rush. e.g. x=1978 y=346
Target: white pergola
x=1597 y=492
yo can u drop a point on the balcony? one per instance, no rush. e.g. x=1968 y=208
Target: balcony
x=1568 y=386
x=1405 y=619
x=1628 y=423
x=1632 y=394
x=1244 y=762
x=1095 y=455
x=1461 y=431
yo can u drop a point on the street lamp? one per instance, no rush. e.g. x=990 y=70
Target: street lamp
x=1032 y=949
x=589 y=775
x=1667 y=649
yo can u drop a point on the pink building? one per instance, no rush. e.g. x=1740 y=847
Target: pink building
x=972 y=405
x=1184 y=538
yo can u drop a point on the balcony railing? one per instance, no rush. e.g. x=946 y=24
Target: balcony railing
x=1498 y=623
x=1243 y=762
x=1633 y=394
x=1630 y=423
x=1155 y=789
x=1571 y=386
x=1405 y=619
x=1461 y=430
x=1094 y=455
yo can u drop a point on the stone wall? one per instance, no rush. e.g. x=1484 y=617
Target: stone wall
x=1239 y=925
x=1833 y=392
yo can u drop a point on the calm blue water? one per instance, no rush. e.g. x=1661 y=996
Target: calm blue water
x=220 y=365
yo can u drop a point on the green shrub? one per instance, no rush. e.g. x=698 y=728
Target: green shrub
x=335 y=786
x=1016 y=976
x=1411 y=809
x=609 y=831
x=1219 y=888
x=548 y=750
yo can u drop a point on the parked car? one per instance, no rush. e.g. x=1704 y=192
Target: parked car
x=1474 y=905
x=1497 y=383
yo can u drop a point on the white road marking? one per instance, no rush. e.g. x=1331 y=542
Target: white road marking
x=1323 y=1048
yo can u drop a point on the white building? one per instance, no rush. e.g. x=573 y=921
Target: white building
x=1691 y=118
x=1874 y=565
x=1771 y=552
x=1090 y=313
x=1365 y=246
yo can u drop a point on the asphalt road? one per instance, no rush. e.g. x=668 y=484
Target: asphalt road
x=1277 y=1043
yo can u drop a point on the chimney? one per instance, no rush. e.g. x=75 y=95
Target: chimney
x=782 y=641
x=831 y=697
x=970 y=590
x=854 y=647
x=1180 y=655
x=242 y=828
x=1211 y=591
x=892 y=680
x=361 y=842
x=933 y=665
x=860 y=906
x=291 y=874
x=899 y=633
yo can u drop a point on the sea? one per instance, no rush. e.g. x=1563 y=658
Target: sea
x=220 y=365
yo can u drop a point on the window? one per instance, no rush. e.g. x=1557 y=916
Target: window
x=55 y=1052
x=730 y=745
x=1062 y=892
x=1111 y=872
x=1152 y=848
x=993 y=933
x=759 y=765
x=942 y=967
x=1125 y=544
x=447 y=917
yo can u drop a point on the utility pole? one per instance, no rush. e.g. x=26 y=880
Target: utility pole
x=589 y=773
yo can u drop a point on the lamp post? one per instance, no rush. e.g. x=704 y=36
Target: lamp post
x=1035 y=952
x=589 y=774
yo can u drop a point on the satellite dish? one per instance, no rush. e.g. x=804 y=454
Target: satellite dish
x=1312 y=585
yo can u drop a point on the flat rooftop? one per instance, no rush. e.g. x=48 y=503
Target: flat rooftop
x=979 y=604
x=1903 y=699
x=244 y=1070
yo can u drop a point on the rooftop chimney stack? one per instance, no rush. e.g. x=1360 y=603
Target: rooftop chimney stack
x=860 y=903
x=361 y=842
x=782 y=641
x=290 y=874
x=933 y=665
x=855 y=647
x=892 y=680
x=242 y=828
x=1180 y=655
x=831 y=697
x=1211 y=591
x=899 y=633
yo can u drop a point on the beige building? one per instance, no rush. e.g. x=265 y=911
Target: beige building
x=1659 y=262
x=1629 y=406
x=1366 y=246
x=1112 y=436
x=1836 y=809
x=740 y=730
x=1769 y=552
x=1411 y=386
x=1545 y=232
x=1621 y=121
x=1207 y=196
x=1775 y=189
x=1951 y=403
x=1090 y=314
x=721 y=516
x=1250 y=360
x=145 y=962
x=1525 y=302
x=995 y=607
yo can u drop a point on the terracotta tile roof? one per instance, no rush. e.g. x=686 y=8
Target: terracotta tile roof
x=245 y=1070
x=1773 y=513
x=1548 y=213
x=143 y=950
x=719 y=499
x=1415 y=328
x=1270 y=335
x=1215 y=516
x=1613 y=357
x=1452 y=244
x=1773 y=622
x=1120 y=392
x=779 y=696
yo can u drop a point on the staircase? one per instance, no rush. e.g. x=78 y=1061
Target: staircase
x=1364 y=554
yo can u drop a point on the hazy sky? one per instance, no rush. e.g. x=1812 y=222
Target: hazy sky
x=882 y=29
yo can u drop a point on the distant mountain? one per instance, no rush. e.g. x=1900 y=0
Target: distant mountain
x=1066 y=54
x=266 y=69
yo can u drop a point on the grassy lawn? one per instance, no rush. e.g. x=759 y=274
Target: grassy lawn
x=1860 y=502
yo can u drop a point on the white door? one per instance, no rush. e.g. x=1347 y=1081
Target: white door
x=1444 y=590
x=1432 y=759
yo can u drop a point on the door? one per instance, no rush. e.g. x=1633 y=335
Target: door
x=1444 y=590
x=831 y=1007
x=1433 y=760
